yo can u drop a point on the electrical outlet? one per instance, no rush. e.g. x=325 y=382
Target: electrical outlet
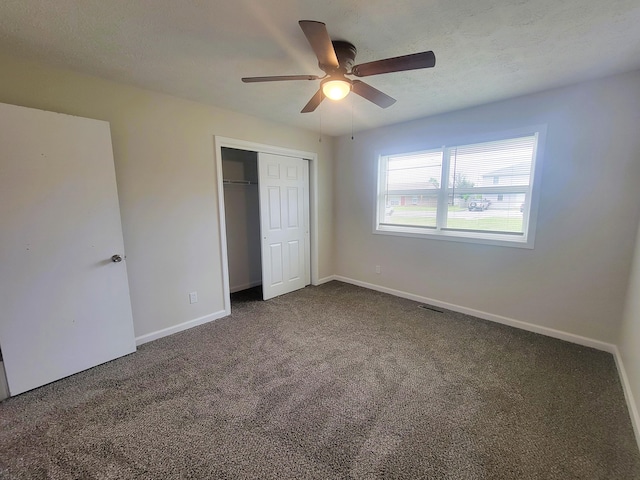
x=378 y=270
x=193 y=297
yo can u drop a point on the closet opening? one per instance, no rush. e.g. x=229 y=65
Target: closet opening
x=242 y=215
x=268 y=213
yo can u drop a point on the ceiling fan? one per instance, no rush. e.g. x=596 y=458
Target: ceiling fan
x=336 y=59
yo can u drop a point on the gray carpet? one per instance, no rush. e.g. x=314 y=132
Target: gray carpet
x=331 y=382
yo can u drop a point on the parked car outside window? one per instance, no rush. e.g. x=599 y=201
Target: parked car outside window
x=479 y=205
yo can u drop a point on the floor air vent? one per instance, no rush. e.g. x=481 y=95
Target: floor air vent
x=428 y=307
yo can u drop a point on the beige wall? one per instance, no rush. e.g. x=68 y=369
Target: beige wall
x=629 y=341
x=166 y=174
x=575 y=278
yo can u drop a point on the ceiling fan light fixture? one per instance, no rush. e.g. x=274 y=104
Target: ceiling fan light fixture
x=336 y=59
x=336 y=88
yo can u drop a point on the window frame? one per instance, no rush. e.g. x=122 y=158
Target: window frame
x=532 y=194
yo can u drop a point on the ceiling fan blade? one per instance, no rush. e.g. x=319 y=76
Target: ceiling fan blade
x=314 y=102
x=372 y=94
x=318 y=37
x=413 y=61
x=279 y=78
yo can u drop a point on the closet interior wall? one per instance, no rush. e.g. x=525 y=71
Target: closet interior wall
x=242 y=217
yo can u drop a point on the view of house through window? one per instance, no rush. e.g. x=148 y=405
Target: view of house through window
x=479 y=190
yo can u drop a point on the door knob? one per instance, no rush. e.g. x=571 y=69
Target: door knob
x=116 y=258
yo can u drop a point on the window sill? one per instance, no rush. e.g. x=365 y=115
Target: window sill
x=483 y=238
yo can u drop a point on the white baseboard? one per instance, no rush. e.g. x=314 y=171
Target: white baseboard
x=179 y=328
x=320 y=281
x=530 y=327
x=628 y=395
x=239 y=288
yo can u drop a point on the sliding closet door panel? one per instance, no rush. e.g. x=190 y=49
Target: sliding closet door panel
x=283 y=186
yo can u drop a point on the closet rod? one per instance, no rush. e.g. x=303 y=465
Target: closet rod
x=239 y=182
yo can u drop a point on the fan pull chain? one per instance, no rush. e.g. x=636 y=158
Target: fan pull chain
x=351 y=117
x=320 y=117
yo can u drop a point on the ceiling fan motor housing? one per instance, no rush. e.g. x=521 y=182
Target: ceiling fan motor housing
x=346 y=53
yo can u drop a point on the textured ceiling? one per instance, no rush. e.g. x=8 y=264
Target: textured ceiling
x=486 y=50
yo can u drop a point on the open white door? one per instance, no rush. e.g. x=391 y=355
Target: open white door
x=64 y=294
x=284 y=223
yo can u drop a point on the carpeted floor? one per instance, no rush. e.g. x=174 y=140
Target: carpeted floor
x=331 y=382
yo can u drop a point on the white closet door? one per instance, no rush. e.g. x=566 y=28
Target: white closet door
x=64 y=302
x=284 y=229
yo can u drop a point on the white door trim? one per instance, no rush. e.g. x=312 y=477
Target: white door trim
x=220 y=142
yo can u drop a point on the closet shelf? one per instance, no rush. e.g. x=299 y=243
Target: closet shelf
x=238 y=182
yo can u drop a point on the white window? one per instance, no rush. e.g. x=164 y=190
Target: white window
x=480 y=192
